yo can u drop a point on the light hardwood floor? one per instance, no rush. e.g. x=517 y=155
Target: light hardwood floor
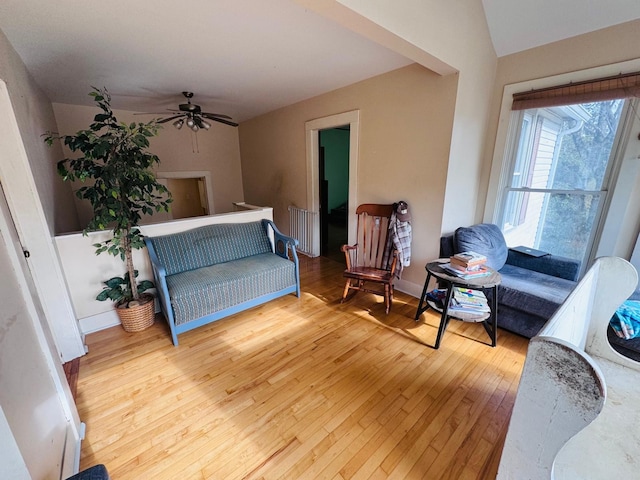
x=300 y=389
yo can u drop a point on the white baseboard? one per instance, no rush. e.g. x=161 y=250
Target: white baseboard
x=99 y=322
x=409 y=288
x=104 y=320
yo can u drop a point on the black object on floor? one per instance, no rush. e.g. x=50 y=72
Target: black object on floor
x=97 y=472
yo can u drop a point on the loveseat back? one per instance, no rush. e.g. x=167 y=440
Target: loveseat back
x=210 y=245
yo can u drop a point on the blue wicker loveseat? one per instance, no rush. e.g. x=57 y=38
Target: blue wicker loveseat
x=210 y=272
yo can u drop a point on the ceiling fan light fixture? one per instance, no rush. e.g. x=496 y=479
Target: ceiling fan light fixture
x=192 y=115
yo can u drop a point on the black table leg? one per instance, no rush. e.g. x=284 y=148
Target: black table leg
x=494 y=316
x=444 y=319
x=423 y=305
x=492 y=329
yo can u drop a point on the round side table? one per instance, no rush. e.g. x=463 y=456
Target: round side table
x=485 y=283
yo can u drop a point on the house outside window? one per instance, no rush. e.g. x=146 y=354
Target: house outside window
x=558 y=175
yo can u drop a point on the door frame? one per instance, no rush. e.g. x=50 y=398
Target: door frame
x=312 y=127
x=10 y=242
x=34 y=234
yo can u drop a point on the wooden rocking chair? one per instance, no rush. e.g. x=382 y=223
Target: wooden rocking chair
x=366 y=262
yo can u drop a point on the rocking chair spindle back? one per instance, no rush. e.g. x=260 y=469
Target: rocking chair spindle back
x=366 y=260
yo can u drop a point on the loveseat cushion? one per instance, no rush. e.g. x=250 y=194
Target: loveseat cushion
x=200 y=292
x=484 y=238
x=532 y=291
x=210 y=245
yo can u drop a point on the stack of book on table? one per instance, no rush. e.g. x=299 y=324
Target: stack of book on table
x=465 y=300
x=467 y=265
x=464 y=303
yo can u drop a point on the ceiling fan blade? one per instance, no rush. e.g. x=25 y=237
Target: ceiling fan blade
x=222 y=120
x=217 y=115
x=165 y=120
x=168 y=111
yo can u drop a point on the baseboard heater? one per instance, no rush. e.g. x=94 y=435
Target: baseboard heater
x=302 y=225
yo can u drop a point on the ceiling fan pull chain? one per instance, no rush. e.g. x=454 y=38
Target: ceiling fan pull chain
x=194 y=143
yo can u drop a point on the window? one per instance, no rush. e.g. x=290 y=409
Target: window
x=558 y=175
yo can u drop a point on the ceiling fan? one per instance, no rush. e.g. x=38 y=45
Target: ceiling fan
x=193 y=116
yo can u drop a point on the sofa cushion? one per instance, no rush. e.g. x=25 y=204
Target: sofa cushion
x=532 y=291
x=210 y=245
x=200 y=292
x=484 y=238
x=524 y=323
x=553 y=265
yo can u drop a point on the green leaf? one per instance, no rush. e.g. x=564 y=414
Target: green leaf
x=115 y=282
x=144 y=286
x=103 y=295
x=115 y=295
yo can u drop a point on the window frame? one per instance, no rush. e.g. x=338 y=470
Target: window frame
x=505 y=143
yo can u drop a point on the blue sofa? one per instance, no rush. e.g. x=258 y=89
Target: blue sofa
x=532 y=288
x=210 y=272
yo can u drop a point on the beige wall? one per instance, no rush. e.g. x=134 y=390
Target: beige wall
x=35 y=116
x=217 y=152
x=457 y=34
x=405 y=131
x=604 y=52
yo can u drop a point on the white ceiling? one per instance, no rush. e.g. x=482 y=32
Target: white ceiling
x=517 y=25
x=240 y=57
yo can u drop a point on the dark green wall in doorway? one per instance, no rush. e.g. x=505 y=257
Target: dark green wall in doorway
x=336 y=156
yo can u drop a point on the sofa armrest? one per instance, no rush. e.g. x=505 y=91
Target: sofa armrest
x=282 y=244
x=554 y=265
x=162 y=290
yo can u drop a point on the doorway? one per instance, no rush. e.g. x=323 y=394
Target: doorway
x=192 y=193
x=333 y=174
x=313 y=128
x=189 y=197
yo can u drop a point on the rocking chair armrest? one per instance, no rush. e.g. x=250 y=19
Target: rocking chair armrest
x=344 y=248
x=350 y=254
x=394 y=262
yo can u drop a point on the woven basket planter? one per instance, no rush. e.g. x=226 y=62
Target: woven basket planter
x=137 y=317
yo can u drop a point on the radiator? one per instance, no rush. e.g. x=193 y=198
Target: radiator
x=302 y=225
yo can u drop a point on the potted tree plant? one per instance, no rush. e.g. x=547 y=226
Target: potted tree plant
x=115 y=162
